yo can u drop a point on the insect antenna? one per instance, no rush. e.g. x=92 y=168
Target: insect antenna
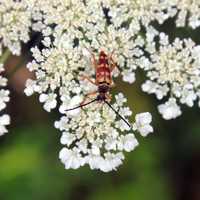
x=117 y=113
x=80 y=106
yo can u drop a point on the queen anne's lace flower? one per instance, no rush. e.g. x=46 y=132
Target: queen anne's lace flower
x=95 y=136
x=15 y=22
x=112 y=26
x=60 y=63
x=175 y=69
x=92 y=24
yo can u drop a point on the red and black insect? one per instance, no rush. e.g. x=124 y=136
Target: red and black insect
x=103 y=69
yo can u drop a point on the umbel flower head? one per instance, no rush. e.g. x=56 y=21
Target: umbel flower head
x=95 y=136
x=112 y=25
x=77 y=25
x=173 y=69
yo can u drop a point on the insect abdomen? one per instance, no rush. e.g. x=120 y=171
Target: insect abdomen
x=103 y=72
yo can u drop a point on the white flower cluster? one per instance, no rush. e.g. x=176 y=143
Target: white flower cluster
x=188 y=13
x=95 y=136
x=4 y=98
x=59 y=64
x=15 y=23
x=56 y=70
x=173 y=69
x=92 y=136
x=97 y=25
x=88 y=23
x=112 y=26
x=141 y=11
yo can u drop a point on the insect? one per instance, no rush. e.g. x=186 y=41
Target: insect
x=103 y=69
x=103 y=80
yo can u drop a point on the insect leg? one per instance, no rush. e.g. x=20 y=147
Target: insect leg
x=87 y=96
x=113 y=64
x=108 y=97
x=93 y=59
x=112 y=84
x=117 y=113
x=83 y=77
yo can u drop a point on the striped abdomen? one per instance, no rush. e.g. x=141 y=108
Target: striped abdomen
x=103 y=74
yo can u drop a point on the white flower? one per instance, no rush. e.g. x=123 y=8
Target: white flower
x=30 y=87
x=149 y=87
x=120 y=99
x=71 y=103
x=170 y=109
x=188 y=13
x=15 y=24
x=59 y=64
x=55 y=69
x=49 y=101
x=111 y=162
x=188 y=97
x=67 y=138
x=142 y=123
x=174 y=69
x=62 y=124
x=128 y=77
x=96 y=134
x=94 y=161
x=4 y=121
x=4 y=98
x=71 y=158
x=127 y=142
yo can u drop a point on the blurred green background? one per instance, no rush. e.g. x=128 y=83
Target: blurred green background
x=165 y=166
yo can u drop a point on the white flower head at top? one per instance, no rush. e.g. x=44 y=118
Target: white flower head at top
x=15 y=24
x=94 y=27
x=58 y=67
x=111 y=26
x=174 y=70
x=97 y=136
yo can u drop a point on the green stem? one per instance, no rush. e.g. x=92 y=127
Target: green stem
x=6 y=54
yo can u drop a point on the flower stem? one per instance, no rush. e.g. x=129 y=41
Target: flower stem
x=4 y=57
x=13 y=71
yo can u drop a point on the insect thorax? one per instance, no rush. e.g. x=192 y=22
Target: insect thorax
x=103 y=88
